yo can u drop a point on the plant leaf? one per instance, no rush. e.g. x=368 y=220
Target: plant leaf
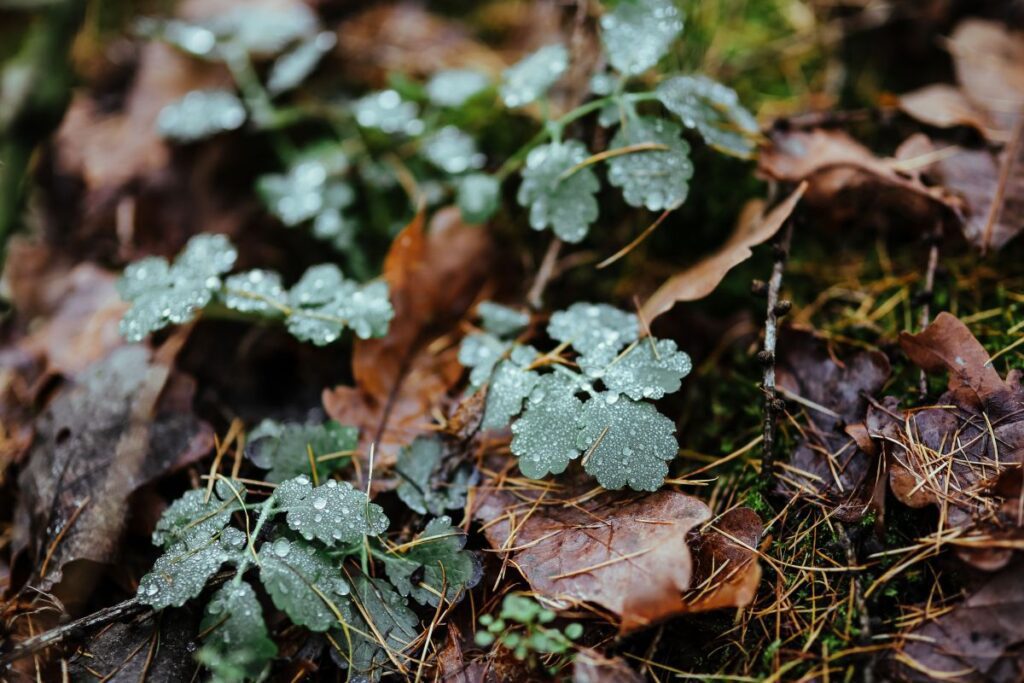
x=397 y=625
x=655 y=180
x=541 y=439
x=332 y=512
x=627 y=442
x=502 y=321
x=388 y=112
x=323 y=302
x=283 y=449
x=638 y=33
x=478 y=197
x=419 y=464
x=453 y=87
x=182 y=572
x=531 y=77
x=481 y=352
x=565 y=203
x=162 y=294
x=293 y=67
x=303 y=582
x=453 y=151
x=255 y=291
x=309 y=187
x=201 y=114
x=599 y=331
x=649 y=369
x=713 y=109
x=510 y=385
x=192 y=516
x=438 y=550
x=236 y=646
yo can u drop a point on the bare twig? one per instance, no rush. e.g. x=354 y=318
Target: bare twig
x=122 y=610
x=776 y=309
x=544 y=274
x=928 y=291
x=867 y=672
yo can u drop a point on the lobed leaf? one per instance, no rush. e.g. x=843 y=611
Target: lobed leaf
x=193 y=516
x=598 y=331
x=184 y=569
x=540 y=437
x=510 y=385
x=303 y=582
x=638 y=33
x=478 y=197
x=453 y=151
x=453 y=87
x=531 y=78
x=647 y=369
x=283 y=449
x=439 y=552
x=419 y=464
x=388 y=112
x=255 y=291
x=293 y=67
x=502 y=321
x=559 y=195
x=714 y=110
x=655 y=180
x=201 y=114
x=236 y=645
x=332 y=512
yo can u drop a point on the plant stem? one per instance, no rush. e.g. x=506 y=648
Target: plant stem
x=544 y=274
x=265 y=514
x=927 y=293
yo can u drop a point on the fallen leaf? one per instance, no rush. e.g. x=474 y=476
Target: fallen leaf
x=589 y=666
x=989 y=62
x=124 y=422
x=727 y=572
x=831 y=387
x=402 y=379
x=946 y=106
x=628 y=554
x=978 y=641
x=699 y=280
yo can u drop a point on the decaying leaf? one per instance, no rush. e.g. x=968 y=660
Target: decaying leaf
x=945 y=106
x=157 y=647
x=696 y=282
x=401 y=379
x=628 y=554
x=590 y=667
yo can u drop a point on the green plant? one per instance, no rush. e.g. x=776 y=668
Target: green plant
x=522 y=626
x=600 y=410
x=311 y=545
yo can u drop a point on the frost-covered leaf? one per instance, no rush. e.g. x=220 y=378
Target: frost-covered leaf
x=438 y=551
x=387 y=111
x=453 y=87
x=502 y=321
x=264 y=29
x=645 y=370
x=596 y=330
x=303 y=582
x=531 y=78
x=236 y=646
x=332 y=512
x=293 y=67
x=713 y=109
x=182 y=572
x=511 y=384
x=201 y=114
x=627 y=442
x=192 y=516
x=162 y=294
x=255 y=291
x=558 y=199
x=637 y=33
x=481 y=352
x=397 y=625
x=656 y=180
x=545 y=437
x=419 y=465
x=283 y=449
x=453 y=151
x=478 y=197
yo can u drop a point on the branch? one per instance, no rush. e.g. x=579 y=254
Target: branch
x=776 y=309
x=927 y=293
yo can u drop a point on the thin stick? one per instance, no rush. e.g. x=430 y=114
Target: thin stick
x=927 y=294
x=544 y=274
x=767 y=355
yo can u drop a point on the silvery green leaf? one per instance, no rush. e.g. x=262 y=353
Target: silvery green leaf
x=367 y=309
x=236 y=646
x=602 y=84
x=478 y=197
x=502 y=321
x=439 y=552
x=640 y=372
x=713 y=110
x=531 y=77
x=387 y=111
x=283 y=448
x=452 y=151
x=194 y=517
x=638 y=33
x=255 y=291
x=162 y=295
x=481 y=352
x=320 y=325
x=293 y=67
x=315 y=300
x=596 y=330
x=610 y=115
x=307 y=188
x=182 y=572
x=655 y=180
x=397 y=625
x=191 y=38
x=419 y=466
x=545 y=436
x=335 y=227
x=509 y=387
x=453 y=87
x=264 y=30
x=557 y=196
x=201 y=114
x=626 y=442
x=332 y=512
x=303 y=582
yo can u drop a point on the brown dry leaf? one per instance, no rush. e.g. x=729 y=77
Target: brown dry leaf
x=847 y=183
x=945 y=106
x=628 y=554
x=700 y=279
x=405 y=38
x=727 y=571
x=589 y=666
x=403 y=379
x=989 y=62
x=126 y=421
x=979 y=641
x=831 y=387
